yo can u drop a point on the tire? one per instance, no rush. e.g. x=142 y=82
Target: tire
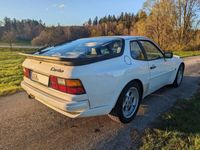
x=179 y=76
x=128 y=103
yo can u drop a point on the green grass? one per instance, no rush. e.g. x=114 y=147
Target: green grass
x=187 y=53
x=10 y=70
x=16 y=43
x=177 y=129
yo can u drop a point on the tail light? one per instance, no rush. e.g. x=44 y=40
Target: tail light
x=26 y=72
x=70 y=86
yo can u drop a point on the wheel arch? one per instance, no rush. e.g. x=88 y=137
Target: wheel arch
x=182 y=63
x=140 y=84
x=134 y=80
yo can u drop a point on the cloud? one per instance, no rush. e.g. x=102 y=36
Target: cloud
x=61 y=6
x=57 y=6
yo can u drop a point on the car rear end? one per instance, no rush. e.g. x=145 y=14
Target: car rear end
x=52 y=84
x=54 y=76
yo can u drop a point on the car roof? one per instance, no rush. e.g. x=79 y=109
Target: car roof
x=123 y=37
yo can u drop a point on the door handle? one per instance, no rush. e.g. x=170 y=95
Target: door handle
x=153 y=67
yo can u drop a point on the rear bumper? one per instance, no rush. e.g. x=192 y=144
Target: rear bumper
x=71 y=109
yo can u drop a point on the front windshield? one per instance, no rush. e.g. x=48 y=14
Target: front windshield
x=85 y=48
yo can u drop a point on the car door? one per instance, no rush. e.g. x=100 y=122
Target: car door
x=140 y=68
x=159 y=67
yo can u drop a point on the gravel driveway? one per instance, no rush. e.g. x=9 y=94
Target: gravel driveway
x=27 y=124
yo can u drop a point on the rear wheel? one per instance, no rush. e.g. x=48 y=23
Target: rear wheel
x=179 y=76
x=127 y=104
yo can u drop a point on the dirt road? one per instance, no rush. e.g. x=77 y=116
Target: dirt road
x=27 y=124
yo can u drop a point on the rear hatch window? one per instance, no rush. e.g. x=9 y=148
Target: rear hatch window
x=85 y=48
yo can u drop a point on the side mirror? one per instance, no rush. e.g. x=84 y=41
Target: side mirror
x=168 y=54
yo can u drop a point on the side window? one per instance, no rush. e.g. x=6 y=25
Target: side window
x=113 y=47
x=151 y=50
x=104 y=50
x=136 y=51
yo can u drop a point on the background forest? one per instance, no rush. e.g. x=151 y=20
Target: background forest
x=173 y=24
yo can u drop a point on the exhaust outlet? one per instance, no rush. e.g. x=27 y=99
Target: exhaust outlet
x=31 y=96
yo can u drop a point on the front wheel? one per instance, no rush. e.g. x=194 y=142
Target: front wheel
x=127 y=104
x=179 y=76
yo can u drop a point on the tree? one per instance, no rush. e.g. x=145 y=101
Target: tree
x=54 y=35
x=42 y=39
x=90 y=22
x=173 y=24
x=9 y=36
x=188 y=20
x=161 y=22
x=25 y=29
x=1 y=29
x=95 y=22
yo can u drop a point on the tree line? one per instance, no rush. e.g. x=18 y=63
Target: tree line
x=25 y=30
x=173 y=24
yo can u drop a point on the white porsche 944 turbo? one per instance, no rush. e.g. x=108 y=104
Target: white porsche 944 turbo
x=100 y=75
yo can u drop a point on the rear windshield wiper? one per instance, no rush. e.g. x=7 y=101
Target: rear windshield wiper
x=42 y=50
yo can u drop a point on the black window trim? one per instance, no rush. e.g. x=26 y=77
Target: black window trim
x=143 y=51
x=160 y=50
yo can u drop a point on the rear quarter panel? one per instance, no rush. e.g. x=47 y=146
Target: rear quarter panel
x=104 y=81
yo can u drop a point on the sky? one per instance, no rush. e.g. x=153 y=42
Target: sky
x=66 y=12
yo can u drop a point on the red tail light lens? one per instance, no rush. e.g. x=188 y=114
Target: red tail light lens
x=26 y=72
x=54 y=82
x=70 y=86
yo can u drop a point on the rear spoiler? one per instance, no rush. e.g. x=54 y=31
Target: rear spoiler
x=69 y=61
x=41 y=57
x=65 y=61
x=57 y=60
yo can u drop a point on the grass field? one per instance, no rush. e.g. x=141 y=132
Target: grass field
x=187 y=53
x=18 y=42
x=178 y=129
x=11 y=70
